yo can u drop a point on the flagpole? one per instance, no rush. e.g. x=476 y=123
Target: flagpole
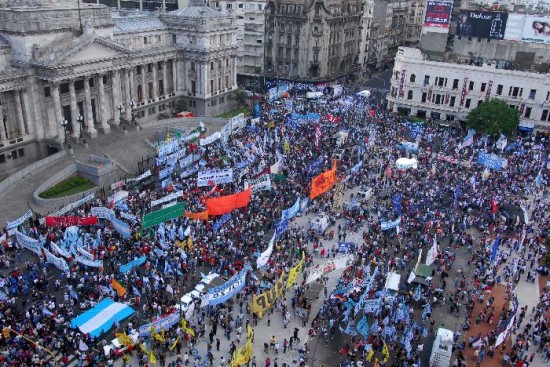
x=35 y=343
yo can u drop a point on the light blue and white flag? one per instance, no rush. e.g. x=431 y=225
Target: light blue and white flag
x=100 y=318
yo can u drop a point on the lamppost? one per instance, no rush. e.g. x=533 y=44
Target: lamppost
x=120 y=109
x=80 y=120
x=64 y=123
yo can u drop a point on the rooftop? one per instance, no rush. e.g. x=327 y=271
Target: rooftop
x=139 y=23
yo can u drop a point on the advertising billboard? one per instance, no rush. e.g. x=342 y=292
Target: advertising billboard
x=438 y=14
x=514 y=27
x=481 y=24
x=536 y=29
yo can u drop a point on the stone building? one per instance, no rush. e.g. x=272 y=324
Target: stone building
x=450 y=89
x=312 y=40
x=69 y=72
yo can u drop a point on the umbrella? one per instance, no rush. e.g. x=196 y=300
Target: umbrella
x=364 y=93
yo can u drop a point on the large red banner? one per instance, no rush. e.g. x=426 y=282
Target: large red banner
x=70 y=221
x=225 y=204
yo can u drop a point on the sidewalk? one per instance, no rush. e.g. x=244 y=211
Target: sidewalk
x=126 y=150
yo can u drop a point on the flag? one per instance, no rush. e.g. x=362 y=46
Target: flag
x=124 y=339
x=494 y=206
x=385 y=352
x=173 y=344
x=317 y=135
x=468 y=140
x=458 y=191
x=152 y=358
x=370 y=355
x=389 y=172
x=485 y=174
x=333 y=119
x=538 y=180
x=501 y=142
x=186 y=328
x=121 y=291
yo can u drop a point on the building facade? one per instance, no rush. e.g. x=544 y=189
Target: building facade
x=67 y=73
x=250 y=20
x=312 y=40
x=450 y=90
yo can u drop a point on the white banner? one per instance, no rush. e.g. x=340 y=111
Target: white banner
x=275 y=167
x=237 y=122
x=140 y=177
x=101 y=212
x=218 y=176
x=432 y=254
x=87 y=262
x=391 y=224
x=29 y=243
x=170 y=197
x=210 y=139
x=339 y=262
x=264 y=257
x=259 y=184
x=129 y=216
x=58 y=262
x=19 y=221
x=60 y=251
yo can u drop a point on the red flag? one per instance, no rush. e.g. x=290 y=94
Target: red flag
x=372 y=112
x=332 y=118
x=389 y=172
x=494 y=206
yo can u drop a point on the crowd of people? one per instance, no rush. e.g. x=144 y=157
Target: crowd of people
x=448 y=200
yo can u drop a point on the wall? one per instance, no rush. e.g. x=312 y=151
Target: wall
x=15 y=169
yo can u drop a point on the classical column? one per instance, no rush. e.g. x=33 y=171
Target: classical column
x=164 y=82
x=174 y=76
x=28 y=117
x=127 y=94
x=115 y=88
x=133 y=91
x=144 y=89
x=58 y=113
x=101 y=103
x=155 y=82
x=19 y=112
x=74 y=110
x=3 y=136
x=90 y=129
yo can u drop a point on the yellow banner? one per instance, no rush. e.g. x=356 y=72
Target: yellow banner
x=294 y=272
x=266 y=300
x=242 y=356
x=370 y=355
x=174 y=344
x=186 y=328
x=124 y=339
x=385 y=352
x=152 y=358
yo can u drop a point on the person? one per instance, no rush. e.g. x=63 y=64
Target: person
x=267 y=362
x=541 y=28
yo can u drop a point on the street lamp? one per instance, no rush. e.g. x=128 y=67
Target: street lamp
x=120 y=108
x=64 y=123
x=133 y=106
x=80 y=120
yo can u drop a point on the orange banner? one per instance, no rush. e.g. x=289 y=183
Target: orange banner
x=200 y=215
x=225 y=204
x=323 y=182
x=121 y=291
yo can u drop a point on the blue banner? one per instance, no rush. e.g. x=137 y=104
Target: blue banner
x=363 y=327
x=492 y=161
x=132 y=264
x=288 y=105
x=345 y=246
x=220 y=222
x=292 y=211
x=397 y=207
x=227 y=290
x=281 y=227
x=121 y=227
x=416 y=129
x=390 y=224
x=494 y=250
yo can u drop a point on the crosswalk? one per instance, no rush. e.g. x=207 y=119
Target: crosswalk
x=72 y=360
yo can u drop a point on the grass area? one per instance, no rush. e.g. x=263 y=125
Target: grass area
x=70 y=186
x=235 y=112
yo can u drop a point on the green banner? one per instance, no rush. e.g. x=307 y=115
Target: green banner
x=160 y=216
x=279 y=178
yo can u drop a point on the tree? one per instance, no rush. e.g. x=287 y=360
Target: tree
x=493 y=117
x=181 y=105
x=240 y=96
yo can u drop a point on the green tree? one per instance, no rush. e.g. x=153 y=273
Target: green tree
x=240 y=96
x=493 y=117
x=181 y=105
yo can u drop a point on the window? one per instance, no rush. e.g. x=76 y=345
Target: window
x=211 y=86
x=47 y=92
x=144 y=40
x=532 y=93
x=138 y=70
x=528 y=112
x=468 y=102
x=479 y=102
x=452 y=101
x=440 y=82
x=149 y=68
x=157 y=38
x=174 y=39
x=258 y=41
x=471 y=86
x=159 y=65
x=64 y=88
x=241 y=6
x=2 y=158
x=105 y=80
x=193 y=86
x=240 y=17
x=221 y=100
x=91 y=82
x=229 y=6
x=483 y=86
x=214 y=102
x=499 y=90
x=544 y=115
x=426 y=79
x=412 y=78
x=424 y=95
x=21 y=151
x=212 y=65
x=455 y=84
x=192 y=65
x=438 y=99
x=410 y=94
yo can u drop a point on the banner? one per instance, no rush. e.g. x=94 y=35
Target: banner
x=264 y=257
x=339 y=262
x=294 y=272
x=29 y=243
x=120 y=290
x=227 y=290
x=338 y=196
x=492 y=161
x=217 y=176
x=121 y=227
x=88 y=262
x=220 y=222
x=323 y=182
x=140 y=177
x=60 y=251
x=438 y=14
x=264 y=301
x=281 y=227
x=19 y=221
x=197 y=216
x=447 y=158
x=363 y=327
x=101 y=212
x=70 y=221
x=292 y=211
x=163 y=215
x=536 y=29
x=132 y=264
x=58 y=262
x=210 y=139
x=432 y=253
x=171 y=197
x=372 y=305
x=70 y=207
x=481 y=24
x=259 y=184
x=159 y=323
x=390 y=224
x=225 y=204
x=190 y=159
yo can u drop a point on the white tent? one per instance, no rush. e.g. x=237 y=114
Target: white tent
x=364 y=93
